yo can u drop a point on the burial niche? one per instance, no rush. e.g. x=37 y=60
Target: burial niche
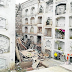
x=41 y=9
x=4 y=44
x=32 y=30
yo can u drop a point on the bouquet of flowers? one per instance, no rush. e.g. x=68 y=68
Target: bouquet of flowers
x=61 y=31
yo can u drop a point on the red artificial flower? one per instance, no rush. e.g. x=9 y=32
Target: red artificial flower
x=63 y=30
x=60 y=29
x=68 y=54
x=67 y=58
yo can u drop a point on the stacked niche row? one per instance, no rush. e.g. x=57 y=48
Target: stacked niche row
x=32 y=20
x=60 y=20
x=30 y=11
x=31 y=37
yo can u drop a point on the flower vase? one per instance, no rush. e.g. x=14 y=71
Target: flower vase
x=58 y=35
x=62 y=36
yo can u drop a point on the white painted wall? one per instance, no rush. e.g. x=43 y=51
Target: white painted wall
x=8 y=12
x=64 y=21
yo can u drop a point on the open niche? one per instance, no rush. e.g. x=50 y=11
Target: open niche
x=60 y=22
x=32 y=20
x=32 y=38
x=60 y=33
x=26 y=12
x=40 y=20
x=40 y=30
x=38 y=40
x=25 y=37
x=41 y=10
x=70 y=33
x=61 y=9
x=48 y=32
x=70 y=21
x=26 y=29
x=59 y=45
x=49 y=21
x=32 y=30
x=26 y=20
x=32 y=10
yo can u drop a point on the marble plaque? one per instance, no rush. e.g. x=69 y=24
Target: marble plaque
x=61 y=22
x=60 y=9
x=48 y=43
x=4 y=44
x=2 y=63
x=2 y=23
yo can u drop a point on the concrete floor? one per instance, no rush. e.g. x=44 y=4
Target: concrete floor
x=52 y=62
x=52 y=65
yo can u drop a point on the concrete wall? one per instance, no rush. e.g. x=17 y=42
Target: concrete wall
x=64 y=22
x=8 y=12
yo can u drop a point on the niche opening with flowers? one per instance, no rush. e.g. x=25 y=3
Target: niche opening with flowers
x=60 y=33
x=59 y=45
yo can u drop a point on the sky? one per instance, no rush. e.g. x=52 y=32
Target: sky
x=20 y=1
